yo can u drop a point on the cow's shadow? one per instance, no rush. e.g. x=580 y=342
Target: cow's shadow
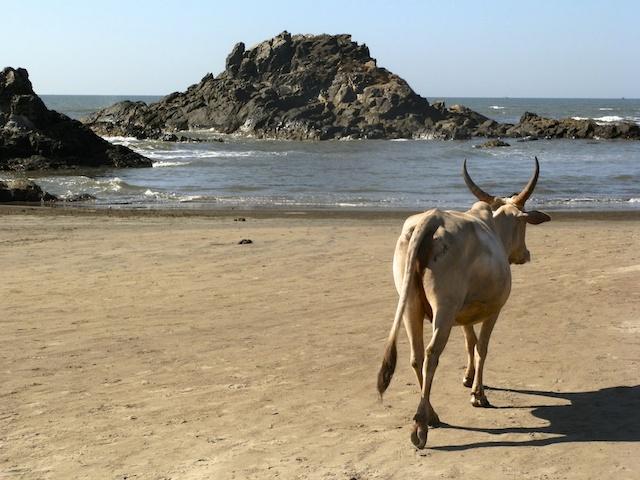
x=607 y=415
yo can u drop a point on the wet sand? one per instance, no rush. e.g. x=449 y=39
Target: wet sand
x=153 y=346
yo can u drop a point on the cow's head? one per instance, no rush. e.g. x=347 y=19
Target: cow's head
x=510 y=216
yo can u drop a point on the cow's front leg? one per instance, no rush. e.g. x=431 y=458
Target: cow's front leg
x=470 y=342
x=442 y=323
x=478 y=398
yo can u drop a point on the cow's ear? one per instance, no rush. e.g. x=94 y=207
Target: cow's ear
x=534 y=217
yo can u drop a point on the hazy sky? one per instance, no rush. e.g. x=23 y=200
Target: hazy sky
x=442 y=48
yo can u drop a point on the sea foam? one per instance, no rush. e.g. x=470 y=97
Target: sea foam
x=168 y=155
x=169 y=164
x=114 y=184
x=609 y=118
x=606 y=119
x=125 y=141
x=190 y=198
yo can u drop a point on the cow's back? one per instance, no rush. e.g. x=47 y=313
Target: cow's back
x=465 y=266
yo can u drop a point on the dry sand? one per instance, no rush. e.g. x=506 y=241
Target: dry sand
x=156 y=347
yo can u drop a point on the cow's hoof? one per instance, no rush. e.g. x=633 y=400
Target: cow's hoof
x=480 y=401
x=467 y=382
x=419 y=436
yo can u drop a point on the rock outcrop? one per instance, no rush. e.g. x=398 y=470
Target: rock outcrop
x=534 y=126
x=294 y=87
x=23 y=191
x=318 y=87
x=493 y=143
x=34 y=137
x=27 y=191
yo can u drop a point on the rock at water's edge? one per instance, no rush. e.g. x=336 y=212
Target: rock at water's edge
x=302 y=87
x=23 y=191
x=33 y=137
x=493 y=143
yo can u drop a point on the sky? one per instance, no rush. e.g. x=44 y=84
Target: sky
x=570 y=48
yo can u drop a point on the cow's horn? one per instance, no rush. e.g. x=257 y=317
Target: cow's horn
x=524 y=195
x=476 y=190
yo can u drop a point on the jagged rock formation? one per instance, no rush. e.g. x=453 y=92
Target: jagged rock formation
x=307 y=87
x=294 y=87
x=532 y=125
x=33 y=137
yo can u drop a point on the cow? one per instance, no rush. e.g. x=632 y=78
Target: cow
x=453 y=268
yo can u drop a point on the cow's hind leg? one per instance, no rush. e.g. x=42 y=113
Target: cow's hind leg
x=442 y=323
x=470 y=341
x=478 y=398
x=414 y=324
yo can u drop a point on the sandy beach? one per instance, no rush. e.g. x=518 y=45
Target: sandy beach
x=154 y=346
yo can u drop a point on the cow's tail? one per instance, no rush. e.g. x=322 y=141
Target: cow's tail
x=420 y=242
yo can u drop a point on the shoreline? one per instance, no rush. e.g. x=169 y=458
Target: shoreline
x=279 y=212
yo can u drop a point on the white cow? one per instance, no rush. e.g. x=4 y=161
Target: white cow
x=453 y=269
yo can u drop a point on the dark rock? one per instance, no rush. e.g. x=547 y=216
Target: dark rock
x=529 y=117
x=245 y=241
x=493 y=143
x=240 y=219
x=625 y=130
x=440 y=107
x=129 y=119
x=306 y=87
x=487 y=128
x=23 y=191
x=172 y=137
x=34 y=137
x=235 y=59
x=169 y=137
x=80 y=197
x=27 y=191
x=185 y=139
x=450 y=129
x=500 y=130
x=532 y=127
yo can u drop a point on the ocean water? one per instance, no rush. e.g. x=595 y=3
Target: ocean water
x=371 y=174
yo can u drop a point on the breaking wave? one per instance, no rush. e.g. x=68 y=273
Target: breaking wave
x=167 y=156
x=603 y=120
x=131 y=142
x=589 y=202
x=609 y=118
x=161 y=164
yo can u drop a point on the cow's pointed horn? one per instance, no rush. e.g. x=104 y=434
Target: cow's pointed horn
x=476 y=190
x=524 y=195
